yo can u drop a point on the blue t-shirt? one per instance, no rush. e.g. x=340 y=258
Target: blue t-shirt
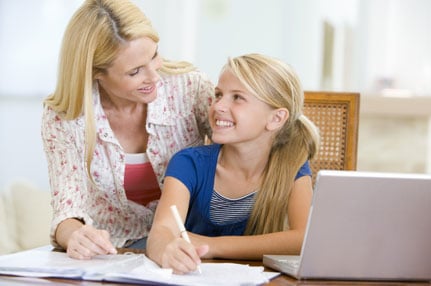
x=195 y=167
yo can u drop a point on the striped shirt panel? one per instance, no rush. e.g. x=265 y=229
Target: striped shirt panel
x=224 y=211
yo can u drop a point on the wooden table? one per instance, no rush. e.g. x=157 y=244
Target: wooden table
x=281 y=280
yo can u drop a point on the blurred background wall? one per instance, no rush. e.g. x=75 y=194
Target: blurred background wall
x=380 y=48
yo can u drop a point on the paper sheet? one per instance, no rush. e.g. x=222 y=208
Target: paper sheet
x=136 y=268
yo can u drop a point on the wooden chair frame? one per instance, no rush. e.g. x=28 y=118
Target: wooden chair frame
x=336 y=114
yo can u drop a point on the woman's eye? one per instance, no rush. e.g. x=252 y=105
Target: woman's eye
x=217 y=95
x=134 y=72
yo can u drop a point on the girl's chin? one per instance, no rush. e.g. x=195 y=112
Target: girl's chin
x=218 y=139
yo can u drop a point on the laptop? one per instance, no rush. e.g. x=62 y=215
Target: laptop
x=365 y=226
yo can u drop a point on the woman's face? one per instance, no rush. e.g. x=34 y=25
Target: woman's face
x=133 y=75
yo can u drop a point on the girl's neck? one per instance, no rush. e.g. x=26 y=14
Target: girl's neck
x=245 y=163
x=239 y=172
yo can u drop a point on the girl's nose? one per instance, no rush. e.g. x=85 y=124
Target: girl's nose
x=219 y=105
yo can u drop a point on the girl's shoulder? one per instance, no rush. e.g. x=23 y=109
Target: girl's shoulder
x=202 y=150
x=191 y=161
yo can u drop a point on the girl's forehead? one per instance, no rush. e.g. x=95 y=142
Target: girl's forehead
x=227 y=77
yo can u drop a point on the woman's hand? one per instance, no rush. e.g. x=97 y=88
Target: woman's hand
x=87 y=242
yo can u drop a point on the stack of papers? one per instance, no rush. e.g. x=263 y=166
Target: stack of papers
x=125 y=268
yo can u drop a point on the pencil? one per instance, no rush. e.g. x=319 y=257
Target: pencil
x=183 y=231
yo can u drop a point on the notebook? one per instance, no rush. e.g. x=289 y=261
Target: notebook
x=365 y=226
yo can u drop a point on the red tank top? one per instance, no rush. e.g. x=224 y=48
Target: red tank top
x=140 y=181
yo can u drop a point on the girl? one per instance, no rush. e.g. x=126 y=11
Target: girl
x=249 y=193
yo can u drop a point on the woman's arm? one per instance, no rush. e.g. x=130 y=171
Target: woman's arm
x=70 y=228
x=165 y=245
x=83 y=241
x=65 y=169
x=255 y=246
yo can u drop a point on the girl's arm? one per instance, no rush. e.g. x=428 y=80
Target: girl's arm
x=165 y=245
x=255 y=246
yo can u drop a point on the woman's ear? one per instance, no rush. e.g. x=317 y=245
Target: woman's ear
x=278 y=118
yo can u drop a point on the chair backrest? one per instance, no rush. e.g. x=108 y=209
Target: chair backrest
x=336 y=114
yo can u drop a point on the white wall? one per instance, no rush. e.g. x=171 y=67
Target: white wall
x=30 y=36
x=374 y=39
x=21 y=152
x=395 y=44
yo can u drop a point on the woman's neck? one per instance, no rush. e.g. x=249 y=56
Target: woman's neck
x=117 y=104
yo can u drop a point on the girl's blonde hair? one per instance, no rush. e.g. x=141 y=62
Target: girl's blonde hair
x=275 y=83
x=91 y=42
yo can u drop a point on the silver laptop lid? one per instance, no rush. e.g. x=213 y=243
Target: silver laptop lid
x=367 y=225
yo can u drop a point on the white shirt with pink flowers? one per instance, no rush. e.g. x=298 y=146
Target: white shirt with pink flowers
x=176 y=119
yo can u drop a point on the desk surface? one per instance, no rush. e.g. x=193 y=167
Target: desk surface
x=281 y=280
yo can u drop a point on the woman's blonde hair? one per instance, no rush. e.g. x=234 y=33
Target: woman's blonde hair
x=91 y=42
x=275 y=83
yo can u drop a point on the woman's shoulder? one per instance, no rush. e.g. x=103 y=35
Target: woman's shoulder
x=49 y=114
x=190 y=78
x=50 y=117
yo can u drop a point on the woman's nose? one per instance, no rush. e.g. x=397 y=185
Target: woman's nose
x=152 y=74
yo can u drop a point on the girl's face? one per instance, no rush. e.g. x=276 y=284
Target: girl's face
x=237 y=115
x=133 y=75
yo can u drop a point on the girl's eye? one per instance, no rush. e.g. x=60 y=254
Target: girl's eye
x=237 y=97
x=217 y=94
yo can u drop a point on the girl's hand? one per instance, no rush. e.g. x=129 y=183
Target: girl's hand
x=182 y=256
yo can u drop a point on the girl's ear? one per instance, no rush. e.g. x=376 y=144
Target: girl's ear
x=278 y=118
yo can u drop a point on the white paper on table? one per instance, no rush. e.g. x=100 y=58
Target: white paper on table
x=136 y=268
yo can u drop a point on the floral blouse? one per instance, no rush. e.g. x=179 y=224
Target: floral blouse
x=176 y=119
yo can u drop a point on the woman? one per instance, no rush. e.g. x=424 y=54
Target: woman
x=118 y=113
x=250 y=193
